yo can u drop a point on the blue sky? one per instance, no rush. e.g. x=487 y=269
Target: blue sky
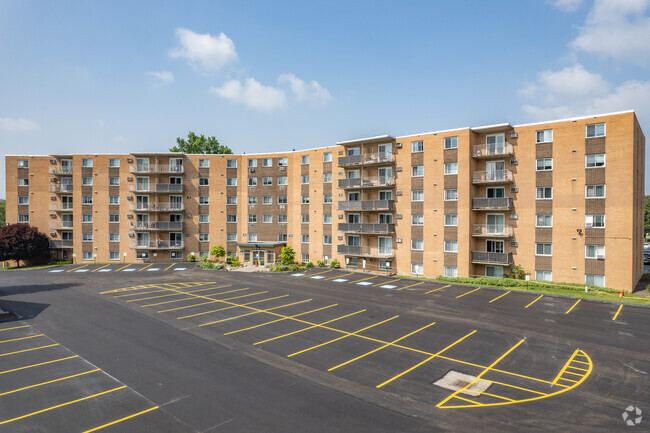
x=119 y=76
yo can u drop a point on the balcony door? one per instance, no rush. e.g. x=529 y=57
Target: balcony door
x=386 y=195
x=495 y=192
x=142 y=164
x=354 y=196
x=352 y=151
x=142 y=202
x=354 y=218
x=353 y=174
x=175 y=239
x=495 y=144
x=175 y=202
x=175 y=164
x=66 y=184
x=495 y=223
x=385 y=175
x=142 y=220
x=66 y=221
x=142 y=184
x=385 y=218
x=385 y=245
x=142 y=239
x=494 y=246
x=66 y=202
x=66 y=166
x=385 y=151
x=353 y=241
x=494 y=170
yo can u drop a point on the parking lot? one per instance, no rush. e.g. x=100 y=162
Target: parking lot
x=325 y=348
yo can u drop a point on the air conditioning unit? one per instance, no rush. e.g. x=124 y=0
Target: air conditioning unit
x=514 y=244
x=282 y=225
x=514 y=162
x=282 y=206
x=52 y=215
x=252 y=170
x=189 y=178
x=251 y=206
x=398 y=216
x=53 y=179
x=52 y=234
x=514 y=189
x=52 y=161
x=290 y=235
x=513 y=135
x=398 y=192
x=129 y=216
x=398 y=145
x=398 y=240
x=129 y=160
x=129 y=179
x=283 y=187
x=283 y=168
x=600 y=256
x=129 y=197
x=251 y=224
x=398 y=169
x=513 y=216
x=252 y=188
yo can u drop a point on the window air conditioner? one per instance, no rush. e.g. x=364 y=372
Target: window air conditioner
x=514 y=162
x=398 y=145
x=514 y=189
x=513 y=135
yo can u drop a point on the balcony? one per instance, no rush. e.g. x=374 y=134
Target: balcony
x=61 y=171
x=157 y=207
x=367 y=228
x=498 y=203
x=485 y=258
x=60 y=225
x=157 y=225
x=58 y=244
x=370 y=158
x=359 y=251
x=487 y=151
x=162 y=244
x=367 y=205
x=492 y=231
x=163 y=188
x=367 y=182
x=59 y=207
x=61 y=189
x=157 y=169
x=492 y=177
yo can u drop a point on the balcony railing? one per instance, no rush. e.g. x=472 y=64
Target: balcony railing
x=60 y=225
x=367 y=182
x=157 y=168
x=485 y=151
x=367 y=205
x=493 y=176
x=162 y=244
x=498 y=203
x=492 y=231
x=54 y=244
x=58 y=207
x=363 y=251
x=367 y=228
x=158 y=187
x=61 y=171
x=157 y=207
x=158 y=225
x=483 y=257
x=61 y=188
x=367 y=159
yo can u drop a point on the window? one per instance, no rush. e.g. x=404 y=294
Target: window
x=203 y=254
x=282 y=199
x=231 y=218
x=282 y=180
x=451 y=194
x=85 y=199
x=176 y=255
x=204 y=219
x=417 y=171
x=113 y=181
x=494 y=271
x=267 y=162
x=327 y=198
x=451 y=168
x=384 y=265
x=543 y=220
x=417 y=244
x=545 y=136
x=282 y=237
x=417 y=219
x=451 y=246
x=252 y=219
x=543 y=249
x=23 y=181
x=86 y=162
x=113 y=163
x=544 y=275
x=204 y=181
x=204 y=199
x=595 y=280
x=327 y=177
x=451 y=142
x=544 y=192
x=304 y=159
x=304 y=199
x=87 y=218
x=596 y=160
x=451 y=271
x=113 y=199
x=283 y=162
x=595 y=191
x=267 y=181
x=87 y=255
x=304 y=179
x=114 y=255
x=204 y=163
x=304 y=218
x=282 y=218
x=204 y=237
x=23 y=163
x=231 y=199
x=252 y=181
x=231 y=181
x=231 y=237
x=327 y=239
x=327 y=218
x=252 y=200
x=417 y=195
x=23 y=199
x=597 y=130
x=231 y=163
x=304 y=239
x=594 y=251
x=86 y=181
x=353 y=262
x=417 y=268
x=267 y=199
x=544 y=164
x=451 y=220
x=595 y=221
x=267 y=219
x=23 y=218
x=327 y=157
x=304 y=258
x=113 y=237
x=252 y=163
x=114 y=218
x=143 y=255
x=417 y=146
x=87 y=237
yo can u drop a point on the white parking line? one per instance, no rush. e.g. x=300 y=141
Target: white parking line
x=104 y=270
x=82 y=270
x=388 y=286
x=339 y=280
x=297 y=275
x=128 y=270
x=153 y=269
x=57 y=270
x=363 y=283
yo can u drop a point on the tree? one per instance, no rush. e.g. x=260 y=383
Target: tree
x=22 y=242
x=287 y=255
x=218 y=251
x=646 y=219
x=3 y=205
x=199 y=144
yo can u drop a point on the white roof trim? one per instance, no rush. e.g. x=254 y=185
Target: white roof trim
x=386 y=136
x=573 y=118
x=434 y=132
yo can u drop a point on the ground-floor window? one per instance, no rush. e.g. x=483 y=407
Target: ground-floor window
x=144 y=255
x=417 y=268
x=544 y=275
x=384 y=265
x=451 y=271
x=114 y=255
x=87 y=255
x=353 y=262
x=304 y=258
x=270 y=256
x=494 y=271
x=596 y=280
x=176 y=255
x=326 y=260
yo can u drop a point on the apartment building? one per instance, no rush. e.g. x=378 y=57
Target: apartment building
x=563 y=200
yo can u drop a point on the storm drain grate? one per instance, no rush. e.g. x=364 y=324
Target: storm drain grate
x=455 y=381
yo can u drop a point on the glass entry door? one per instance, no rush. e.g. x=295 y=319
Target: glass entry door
x=258 y=257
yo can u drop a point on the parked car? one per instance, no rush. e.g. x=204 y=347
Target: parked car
x=646 y=257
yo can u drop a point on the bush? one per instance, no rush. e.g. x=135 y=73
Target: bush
x=512 y=282
x=320 y=264
x=191 y=257
x=294 y=267
x=234 y=262
x=518 y=273
x=218 y=251
x=205 y=264
x=219 y=266
x=287 y=255
x=334 y=264
x=309 y=265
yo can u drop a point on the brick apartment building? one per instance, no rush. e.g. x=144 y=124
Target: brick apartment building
x=563 y=200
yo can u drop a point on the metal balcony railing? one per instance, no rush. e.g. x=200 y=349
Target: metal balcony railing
x=158 y=187
x=367 y=159
x=61 y=171
x=54 y=244
x=367 y=182
x=367 y=228
x=498 y=203
x=484 y=151
x=60 y=225
x=157 y=207
x=493 y=176
x=483 y=257
x=363 y=251
x=58 y=207
x=161 y=244
x=492 y=230
x=367 y=205
x=157 y=168
x=158 y=225
x=60 y=188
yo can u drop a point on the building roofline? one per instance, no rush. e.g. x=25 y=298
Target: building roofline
x=574 y=118
x=434 y=132
x=377 y=137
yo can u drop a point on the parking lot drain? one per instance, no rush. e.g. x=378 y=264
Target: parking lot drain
x=457 y=381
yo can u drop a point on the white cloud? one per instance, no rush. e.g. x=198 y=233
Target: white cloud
x=204 y=51
x=565 y=5
x=9 y=124
x=252 y=94
x=619 y=29
x=573 y=81
x=164 y=77
x=311 y=92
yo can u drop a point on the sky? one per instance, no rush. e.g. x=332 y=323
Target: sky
x=123 y=76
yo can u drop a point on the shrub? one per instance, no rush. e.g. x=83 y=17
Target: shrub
x=294 y=267
x=320 y=264
x=334 y=264
x=219 y=266
x=191 y=257
x=234 y=262
x=309 y=265
x=218 y=251
x=518 y=273
x=287 y=255
x=205 y=264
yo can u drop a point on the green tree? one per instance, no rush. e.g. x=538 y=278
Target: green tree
x=287 y=255
x=22 y=242
x=199 y=144
x=218 y=251
x=646 y=219
x=3 y=220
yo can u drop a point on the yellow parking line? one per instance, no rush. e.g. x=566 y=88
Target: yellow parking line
x=232 y=306
x=28 y=350
x=364 y=279
x=170 y=266
x=497 y=396
x=121 y=419
x=83 y=266
x=385 y=282
x=123 y=267
x=416 y=284
x=573 y=306
x=178 y=292
x=49 y=381
x=212 y=302
x=435 y=290
x=467 y=293
x=22 y=338
x=280 y=320
x=469 y=401
x=254 y=312
x=15 y=327
x=61 y=405
x=142 y=269
x=536 y=299
x=338 y=276
x=617 y=311
x=39 y=364
x=317 y=273
x=191 y=297
x=95 y=270
x=500 y=296
x=517 y=387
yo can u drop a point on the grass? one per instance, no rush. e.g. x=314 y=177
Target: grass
x=49 y=265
